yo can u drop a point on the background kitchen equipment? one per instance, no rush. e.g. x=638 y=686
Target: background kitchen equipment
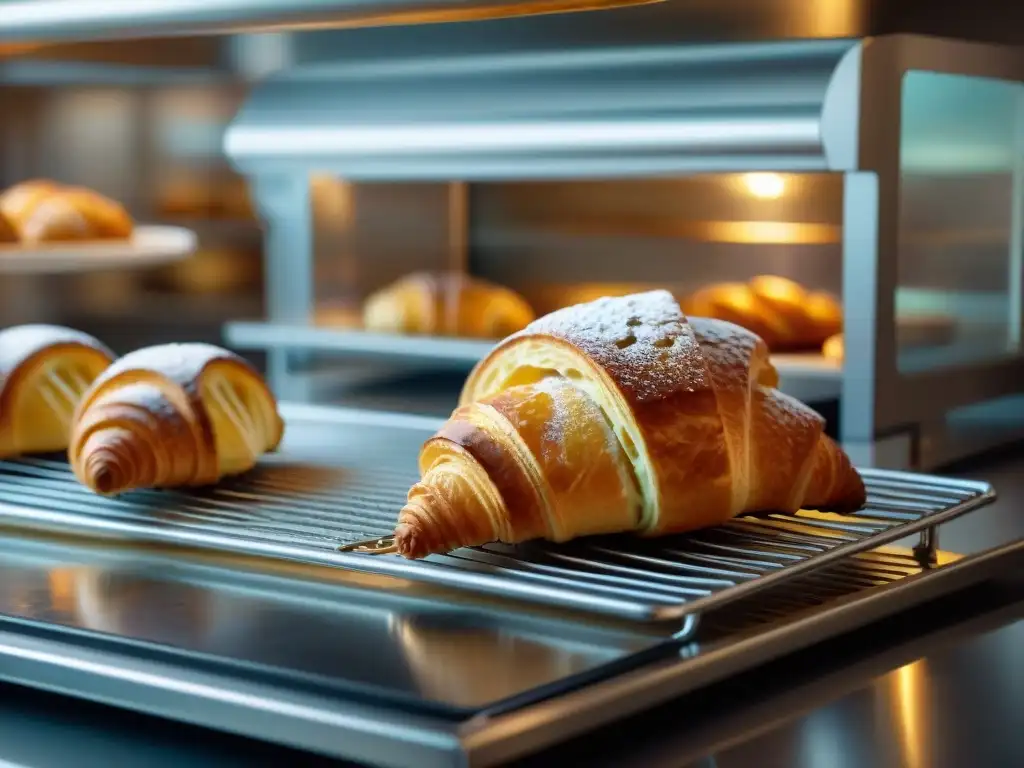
x=702 y=163
x=146 y=123
x=885 y=170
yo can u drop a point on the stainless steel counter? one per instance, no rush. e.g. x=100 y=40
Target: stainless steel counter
x=938 y=686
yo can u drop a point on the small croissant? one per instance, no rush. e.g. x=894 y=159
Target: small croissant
x=44 y=371
x=172 y=415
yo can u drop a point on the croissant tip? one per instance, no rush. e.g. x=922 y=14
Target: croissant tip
x=102 y=475
x=104 y=481
x=410 y=544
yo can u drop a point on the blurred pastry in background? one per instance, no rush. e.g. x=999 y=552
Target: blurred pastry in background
x=782 y=312
x=184 y=196
x=8 y=234
x=912 y=332
x=446 y=304
x=214 y=271
x=338 y=315
x=45 y=211
x=833 y=347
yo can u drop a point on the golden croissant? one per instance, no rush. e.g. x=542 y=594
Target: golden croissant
x=621 y=415
x=172 y=415
x=42 y=211
x=783 y=313
x=44 y=371
x=446 y=304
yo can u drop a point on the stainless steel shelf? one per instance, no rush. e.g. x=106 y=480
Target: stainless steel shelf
x=73 y=20
x=291 y=509
x=805 y=377
x=442 y=352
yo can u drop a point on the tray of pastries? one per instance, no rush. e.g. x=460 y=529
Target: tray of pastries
x=48 y=227
x=588 y=449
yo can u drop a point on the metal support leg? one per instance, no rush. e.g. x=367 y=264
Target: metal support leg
x=927 y=548
x=288 y=266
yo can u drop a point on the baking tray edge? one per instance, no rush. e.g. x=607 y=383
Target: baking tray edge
x=490 y=741
x=354 y=731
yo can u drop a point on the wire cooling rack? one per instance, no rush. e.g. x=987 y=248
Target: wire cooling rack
x=297 y=510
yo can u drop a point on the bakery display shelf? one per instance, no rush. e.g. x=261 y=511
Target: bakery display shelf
x=399 y=349
x=149 y=246
x=293 y=507
x=448 y=352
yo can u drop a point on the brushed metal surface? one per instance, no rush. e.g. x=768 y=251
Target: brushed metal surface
x=272 y=688
x=588 y=113
x=71 y=20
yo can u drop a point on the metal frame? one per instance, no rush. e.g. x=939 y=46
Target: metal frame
x=699 y=111
x=888 y=417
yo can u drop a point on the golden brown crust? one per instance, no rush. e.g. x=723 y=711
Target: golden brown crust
x=16 y=201
x=642 y=342
x=782 y=312
x=8 y=234
x=690 y=404
x=521 y=497
x=44 y=211
x=149 y=409
x=446 y=304
x=24 y=348
x=21 y=342
x=833 y=348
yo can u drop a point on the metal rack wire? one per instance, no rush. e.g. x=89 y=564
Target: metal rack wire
x=297 y=511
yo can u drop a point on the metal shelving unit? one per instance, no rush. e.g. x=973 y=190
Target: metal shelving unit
x=646 y=106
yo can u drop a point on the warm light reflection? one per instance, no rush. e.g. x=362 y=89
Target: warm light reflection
x=767 y=232
x=62 y=589
x=832 y=18
x=766 y=186
x=909 y=686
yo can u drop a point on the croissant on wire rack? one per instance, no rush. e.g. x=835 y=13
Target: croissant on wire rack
x=44 y=371
x=44 y=211
x=446 y=304
x=615 y=416
x=172 y=415
x=782 y=312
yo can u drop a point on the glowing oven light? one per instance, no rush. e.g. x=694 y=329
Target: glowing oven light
x=767 y=186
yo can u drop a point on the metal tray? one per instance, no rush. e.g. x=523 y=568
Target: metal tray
x=280 y=703
x=293 y=508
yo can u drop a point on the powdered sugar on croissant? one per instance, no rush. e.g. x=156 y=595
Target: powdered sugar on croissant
x=44 y=372
x=172 y=415
x=676 y=421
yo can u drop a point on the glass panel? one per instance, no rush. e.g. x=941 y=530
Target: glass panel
x=959 y=244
